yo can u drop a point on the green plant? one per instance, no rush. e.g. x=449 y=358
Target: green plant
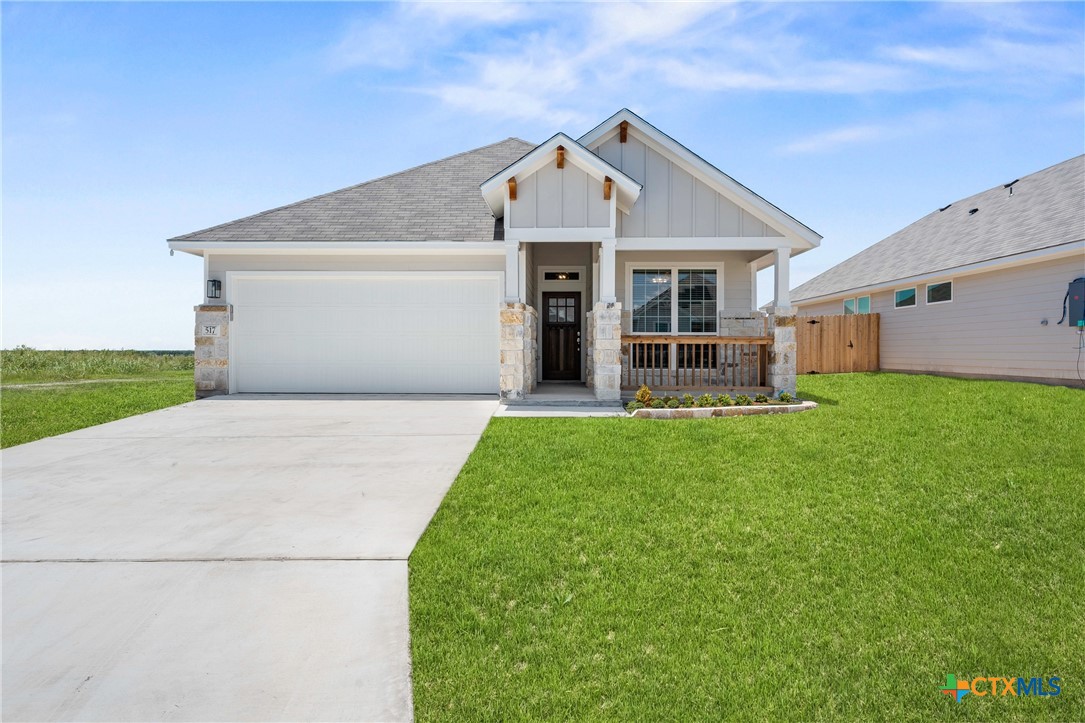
x=706 y=400
x=644 y=394
x=743 y=400
x=673 y=403
x=634 y=406
x=724 y=400
x=785 y=397
x=761 y=399
x=687 y=400
x=657 y=404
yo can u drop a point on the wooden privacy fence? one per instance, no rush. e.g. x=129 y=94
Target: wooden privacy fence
x=831 y=344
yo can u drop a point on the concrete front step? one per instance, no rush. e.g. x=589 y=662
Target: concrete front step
x=549 y=401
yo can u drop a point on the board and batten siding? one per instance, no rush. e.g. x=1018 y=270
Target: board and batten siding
x=673 y=203
x=991 y=328
x=555 y=197
x=737 y=292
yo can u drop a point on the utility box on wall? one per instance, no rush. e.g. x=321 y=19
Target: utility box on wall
x=1076 y=302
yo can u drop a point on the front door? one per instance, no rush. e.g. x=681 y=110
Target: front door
x=561 y=335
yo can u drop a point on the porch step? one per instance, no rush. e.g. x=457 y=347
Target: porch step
x=549 y=401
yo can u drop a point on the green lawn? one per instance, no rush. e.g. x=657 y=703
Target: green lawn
x=836 y=564
x=24 y=364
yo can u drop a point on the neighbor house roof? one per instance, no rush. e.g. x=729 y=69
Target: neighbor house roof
x=1044 y=210
x=438 y=201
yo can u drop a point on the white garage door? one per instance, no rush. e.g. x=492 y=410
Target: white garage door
x=412 y=332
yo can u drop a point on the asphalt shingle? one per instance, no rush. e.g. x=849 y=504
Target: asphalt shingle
x=1046 y=209
x=438 y=201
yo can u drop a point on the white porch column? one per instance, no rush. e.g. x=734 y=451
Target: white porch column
x=607 y=270
x=512 y=272
x=782 y=268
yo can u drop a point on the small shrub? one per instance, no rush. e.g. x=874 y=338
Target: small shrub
x=657 y=404
x=743 y=401
x=761 y=399
x=634 y=406
x=644 y=394
x=673 y=403
x=706 y=400
x=785 y=397
x=670 y=399
x=724 y=400
x=687 y=400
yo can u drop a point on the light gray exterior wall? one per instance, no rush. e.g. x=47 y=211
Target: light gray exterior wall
x=991 y=328
x=555 y=197
x=673 y=202
x=221 y=263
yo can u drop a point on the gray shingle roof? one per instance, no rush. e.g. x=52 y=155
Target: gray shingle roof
x=438 y=201
x=1046 y=209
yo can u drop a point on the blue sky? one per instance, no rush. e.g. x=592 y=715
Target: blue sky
x=125 y=124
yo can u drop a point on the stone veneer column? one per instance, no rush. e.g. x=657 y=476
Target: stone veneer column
x=212 y=350
x=518 y=339
x=781 y=371
x=607 y=350
x=589 y=350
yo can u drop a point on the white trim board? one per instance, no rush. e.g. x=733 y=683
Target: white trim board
x=673 y=268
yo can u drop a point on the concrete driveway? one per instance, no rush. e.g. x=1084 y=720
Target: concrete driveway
x=237 y=558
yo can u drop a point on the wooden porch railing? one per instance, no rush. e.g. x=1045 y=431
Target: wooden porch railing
x=701 y=363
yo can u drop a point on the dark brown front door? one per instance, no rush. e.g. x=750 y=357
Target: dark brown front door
x=561 y=335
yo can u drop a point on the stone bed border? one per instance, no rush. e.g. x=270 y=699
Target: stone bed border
x=705 y=412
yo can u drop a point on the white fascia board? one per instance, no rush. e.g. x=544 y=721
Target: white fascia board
x=709 y=243
x=541 y=235
x=493 y=189
x=704 y=171
x=301 y=248
x=999 y=264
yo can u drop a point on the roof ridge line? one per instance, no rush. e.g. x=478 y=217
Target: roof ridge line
x=345 y=188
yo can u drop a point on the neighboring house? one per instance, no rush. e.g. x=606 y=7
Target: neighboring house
x=975 y=288
x=492 y=269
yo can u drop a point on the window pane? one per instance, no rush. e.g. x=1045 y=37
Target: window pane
x=849 y=306
x=863 y=305
x=940 y=292
x=697 y=301
x=905 y=297
x=652 y=300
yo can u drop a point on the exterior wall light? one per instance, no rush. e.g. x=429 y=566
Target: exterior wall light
x=214 y=289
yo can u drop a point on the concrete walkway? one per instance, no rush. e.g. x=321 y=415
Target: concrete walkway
x=239 y=558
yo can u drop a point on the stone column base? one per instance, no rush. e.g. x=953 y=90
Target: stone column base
x=782 y=361
x=606 y=349
x=518 y=340
x=212 y=364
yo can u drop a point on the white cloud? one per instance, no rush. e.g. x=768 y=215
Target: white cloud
x=832 y=140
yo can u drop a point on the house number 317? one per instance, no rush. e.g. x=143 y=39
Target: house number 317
x=210 y=330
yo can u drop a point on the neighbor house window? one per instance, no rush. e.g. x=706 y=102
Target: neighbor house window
x=940 y=293
x=862 y=305
x=904 y=298
x=675 y=299
x=849 y=306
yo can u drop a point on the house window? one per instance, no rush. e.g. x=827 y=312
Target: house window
x=652 y=301
x=940 y=293
x=696 y=301
x=665 y=300
x=849 y=306
x=904 y=298
x=862 y=305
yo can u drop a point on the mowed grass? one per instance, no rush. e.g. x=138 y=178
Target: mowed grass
x=75 y=400
x=832 y=565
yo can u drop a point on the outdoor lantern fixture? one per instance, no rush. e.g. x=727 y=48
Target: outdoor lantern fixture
x=214 y=289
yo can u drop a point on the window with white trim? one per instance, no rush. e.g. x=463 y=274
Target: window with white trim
x=849 y=306
x=940 y=293
x=862 y=305
x=904 y=298
x=665 y=300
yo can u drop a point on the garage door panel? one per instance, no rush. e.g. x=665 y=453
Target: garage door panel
x=420 y=333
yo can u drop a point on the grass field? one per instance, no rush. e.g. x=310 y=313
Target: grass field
x=64 y=395
x=836 y=564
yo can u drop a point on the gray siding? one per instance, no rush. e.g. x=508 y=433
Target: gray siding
x=992 y=326
x=555 y=197
x=673 y=202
